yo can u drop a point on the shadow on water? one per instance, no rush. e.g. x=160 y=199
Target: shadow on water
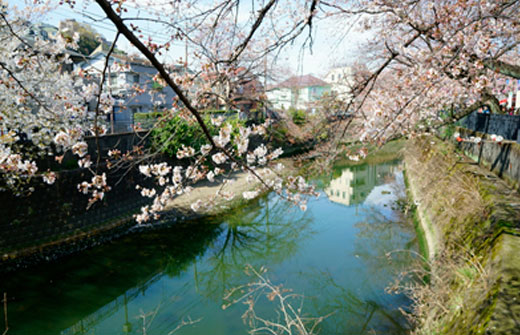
x=87 y=287
x=256 y=235
x=334 y=254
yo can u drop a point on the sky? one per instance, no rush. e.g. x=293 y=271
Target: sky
x=331 y=44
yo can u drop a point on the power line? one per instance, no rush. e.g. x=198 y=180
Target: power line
x=160 y=37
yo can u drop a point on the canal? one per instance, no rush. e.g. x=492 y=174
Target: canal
x=335 y=255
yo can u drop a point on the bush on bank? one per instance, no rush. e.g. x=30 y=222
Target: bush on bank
x=169 y=135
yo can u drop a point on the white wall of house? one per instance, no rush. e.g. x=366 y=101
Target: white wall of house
x=299 y=97
x=340 y=189
x=280 y=98
x=340 y=79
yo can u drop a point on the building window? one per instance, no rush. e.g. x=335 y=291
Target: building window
x=113 y=79
x=135 y=79
x=332 y=78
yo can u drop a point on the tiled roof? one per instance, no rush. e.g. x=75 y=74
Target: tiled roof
x=300 y=81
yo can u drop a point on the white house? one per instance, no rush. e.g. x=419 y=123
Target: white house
x=300 y=92
x=340 y=80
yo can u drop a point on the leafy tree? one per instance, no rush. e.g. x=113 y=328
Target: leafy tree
x=89 y=38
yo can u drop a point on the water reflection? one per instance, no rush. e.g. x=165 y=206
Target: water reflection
x=334 y=255
x=266 y=233
x=354 y=310
x=81 y=292
x=355 y=183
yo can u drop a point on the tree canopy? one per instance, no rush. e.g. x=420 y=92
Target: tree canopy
x=428 y=63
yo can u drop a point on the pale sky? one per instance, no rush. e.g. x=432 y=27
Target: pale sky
x=331 y=44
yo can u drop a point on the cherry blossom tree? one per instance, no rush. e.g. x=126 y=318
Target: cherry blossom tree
x=432 y=62
x=42 y=108
x=54 y=117
x=429 y=63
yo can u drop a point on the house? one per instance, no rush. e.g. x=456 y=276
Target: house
x=299 y=92
x=248 y=94
x=131 y=83
x=239 y=91
x=341 y=81
x=47 y=32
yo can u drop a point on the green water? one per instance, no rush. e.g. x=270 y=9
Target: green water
x=334 y=255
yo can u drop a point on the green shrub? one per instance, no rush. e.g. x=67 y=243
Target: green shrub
x=147 y=116
x=169 y=136
x=298 y=116
x=279 y=133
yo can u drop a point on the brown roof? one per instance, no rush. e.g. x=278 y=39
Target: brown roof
x=300 y=81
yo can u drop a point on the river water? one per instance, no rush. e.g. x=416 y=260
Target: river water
x=334 y=255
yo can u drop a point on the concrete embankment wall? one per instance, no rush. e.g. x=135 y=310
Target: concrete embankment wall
x=55 y=217
x=471 y=221
x=58 y=213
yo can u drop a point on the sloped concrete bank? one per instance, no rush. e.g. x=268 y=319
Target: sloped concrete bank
x=471 y=222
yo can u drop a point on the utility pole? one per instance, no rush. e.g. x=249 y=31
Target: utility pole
x=186 y=48
x=265 y=85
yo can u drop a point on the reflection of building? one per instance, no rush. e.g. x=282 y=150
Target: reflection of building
x=340 y=189
x=356 y=183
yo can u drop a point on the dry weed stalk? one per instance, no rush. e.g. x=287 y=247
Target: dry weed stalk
x=448 y=195
x=6 y=324
x=290 y=320
x=441 y=288
x=146 y=324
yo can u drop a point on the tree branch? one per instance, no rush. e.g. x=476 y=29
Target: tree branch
x=123 y=29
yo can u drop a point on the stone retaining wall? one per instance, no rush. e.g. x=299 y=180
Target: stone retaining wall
x=472 y=218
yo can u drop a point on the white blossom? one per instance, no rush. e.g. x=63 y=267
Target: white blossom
x=145 y=192
x=205 y=149
x=196 y=205
x=80 y=148
x=250 y=195
x=146 y=170
x=49 y=177
x=219 y=158
x=85 y=162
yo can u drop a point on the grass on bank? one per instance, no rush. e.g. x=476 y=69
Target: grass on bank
x=458 y=290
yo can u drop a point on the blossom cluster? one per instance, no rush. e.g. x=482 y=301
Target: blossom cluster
x=231 y=152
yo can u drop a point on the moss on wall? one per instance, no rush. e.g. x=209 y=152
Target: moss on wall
x=471 y=219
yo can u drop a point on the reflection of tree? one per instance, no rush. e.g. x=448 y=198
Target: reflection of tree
x=352 y=313
x=379 y=234
x=116 y=274
x=264 y=234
